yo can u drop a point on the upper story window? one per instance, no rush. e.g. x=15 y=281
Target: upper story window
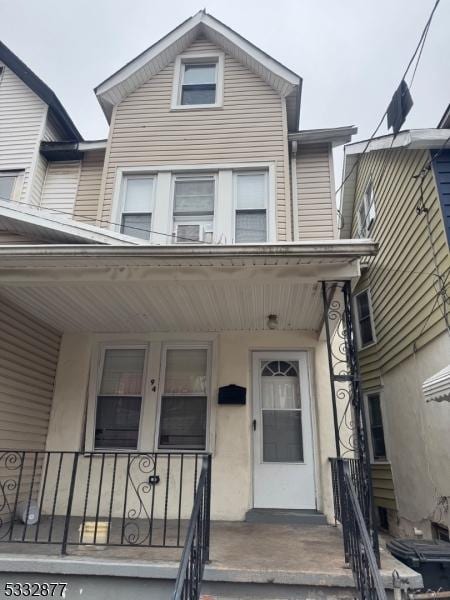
x=198 y=81
x=10 y=185
x=193 y=208
x=366 y=211
x=137 y=206
x=364 y=317
x=198 y=84
x=251 y=190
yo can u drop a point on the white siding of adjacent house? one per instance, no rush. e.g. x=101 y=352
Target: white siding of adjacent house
x=315 y=193
x=249 y=128
x=28 y=359
x=60 y=186
x=22 y=119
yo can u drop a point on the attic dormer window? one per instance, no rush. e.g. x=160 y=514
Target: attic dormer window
x=198 y=81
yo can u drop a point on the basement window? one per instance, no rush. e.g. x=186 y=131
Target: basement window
x=198 y=81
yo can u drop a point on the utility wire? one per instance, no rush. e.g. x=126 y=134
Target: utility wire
x=419 y=49
x=105 y=221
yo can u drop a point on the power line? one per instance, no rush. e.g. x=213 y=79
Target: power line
x=70 y=214
x=173 y=236
x=419 y=49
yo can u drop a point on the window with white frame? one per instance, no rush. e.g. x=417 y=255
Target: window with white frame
x=119 y=398
x=251 y=200
x=184 y=399
x=193 y=208
x=364 y=317
x=137 y=206
x=10 y=185
x=198 y=81
x=375 y=418
x=366 y=211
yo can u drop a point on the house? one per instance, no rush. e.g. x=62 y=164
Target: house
x=169 y=297
x=397 y=193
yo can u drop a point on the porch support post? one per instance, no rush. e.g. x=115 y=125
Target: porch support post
x=349 y=422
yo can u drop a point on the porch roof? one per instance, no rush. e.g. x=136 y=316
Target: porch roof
x=189 y=289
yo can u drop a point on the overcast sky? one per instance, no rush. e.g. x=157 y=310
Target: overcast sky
x=350 y=53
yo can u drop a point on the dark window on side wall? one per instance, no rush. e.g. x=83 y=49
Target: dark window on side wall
x=364 y=317
x=376 y=427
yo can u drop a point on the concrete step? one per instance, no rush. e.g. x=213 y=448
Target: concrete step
x=287 y=517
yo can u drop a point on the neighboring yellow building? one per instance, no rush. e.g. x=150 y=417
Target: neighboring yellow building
x=396 y=194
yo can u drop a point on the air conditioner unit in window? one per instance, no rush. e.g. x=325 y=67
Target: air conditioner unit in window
x=191 y=233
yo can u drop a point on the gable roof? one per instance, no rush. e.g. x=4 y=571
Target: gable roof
x=40 y=89
x=132 y=75
x=412 y=139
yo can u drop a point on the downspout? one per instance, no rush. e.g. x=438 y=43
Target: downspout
x=296 y=232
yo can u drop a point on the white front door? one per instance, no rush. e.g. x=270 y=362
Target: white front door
x=283 y=467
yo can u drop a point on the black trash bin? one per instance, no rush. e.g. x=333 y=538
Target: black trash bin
x=431 y=558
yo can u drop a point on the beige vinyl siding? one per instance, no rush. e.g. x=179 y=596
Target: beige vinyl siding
x=247 y=129
x=315 y=196
x=401 y=275
x=28 y=360
x=60 y=186
x=383 y=486
x=86 y=204
x=22 y=115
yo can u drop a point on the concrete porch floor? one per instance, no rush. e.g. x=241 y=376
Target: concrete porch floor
x=250 y=553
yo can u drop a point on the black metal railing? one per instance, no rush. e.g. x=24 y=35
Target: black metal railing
x=196 y=549
x=100 y=498
x=352 y=510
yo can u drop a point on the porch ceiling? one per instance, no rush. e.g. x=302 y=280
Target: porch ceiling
x=106 y=289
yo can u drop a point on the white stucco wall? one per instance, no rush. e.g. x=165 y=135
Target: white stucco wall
x=419 y=439
x=230 y=426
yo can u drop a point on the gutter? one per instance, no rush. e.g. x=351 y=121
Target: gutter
x=336 y=136
x=351 y=249
x=69 y=150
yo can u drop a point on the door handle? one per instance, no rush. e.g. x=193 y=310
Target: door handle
x=254 y=424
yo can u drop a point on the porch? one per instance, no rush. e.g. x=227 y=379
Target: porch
x=247 y=313
x=251 y=560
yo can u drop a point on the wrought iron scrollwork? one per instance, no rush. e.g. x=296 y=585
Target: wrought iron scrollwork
x=11 y=465
x=137 y=527
x=349 y=423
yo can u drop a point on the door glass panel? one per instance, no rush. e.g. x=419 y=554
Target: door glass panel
x=281 y=412
x=282 y=435
x=280 y=393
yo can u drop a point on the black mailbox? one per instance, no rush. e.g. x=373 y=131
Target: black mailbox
x=232 y=394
